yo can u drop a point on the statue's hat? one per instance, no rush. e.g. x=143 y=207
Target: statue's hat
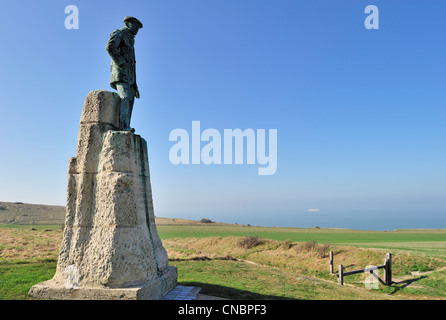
x=132 y=19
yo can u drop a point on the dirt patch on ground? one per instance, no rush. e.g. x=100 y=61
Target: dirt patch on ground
x=16 y=244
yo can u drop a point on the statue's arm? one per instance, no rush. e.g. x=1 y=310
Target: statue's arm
x=112 y=47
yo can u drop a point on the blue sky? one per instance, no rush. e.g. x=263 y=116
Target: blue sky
x=360 y=113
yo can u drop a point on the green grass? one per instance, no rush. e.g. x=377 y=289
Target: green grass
x=431 y=242
x=430 y=286
x=299 y=235
x=17 y=276
x=28 y=257
x=237 y=280
x=303 y=263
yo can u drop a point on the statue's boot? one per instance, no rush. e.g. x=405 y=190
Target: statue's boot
x=125 y=113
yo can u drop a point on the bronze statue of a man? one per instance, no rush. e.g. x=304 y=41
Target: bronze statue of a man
x=121 y=49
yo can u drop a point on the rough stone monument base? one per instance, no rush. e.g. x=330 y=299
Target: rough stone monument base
x=151 y=290
x=110 y=248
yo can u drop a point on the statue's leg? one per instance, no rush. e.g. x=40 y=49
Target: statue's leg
x=125 y=111
x=131 y=102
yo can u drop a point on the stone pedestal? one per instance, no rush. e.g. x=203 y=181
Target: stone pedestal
x=111 y=248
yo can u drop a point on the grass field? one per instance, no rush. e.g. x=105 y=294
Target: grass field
x=424 y=241
x=289 y=263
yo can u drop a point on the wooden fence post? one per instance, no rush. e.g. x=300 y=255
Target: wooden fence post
x=331 y=262
x=341 y=275
x=388 y=269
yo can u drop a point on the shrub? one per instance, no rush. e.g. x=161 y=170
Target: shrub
x=250 y=242
x=307 y=246
x=310 y=245
x=323 y=250
x=287 y=244
x=204 y=220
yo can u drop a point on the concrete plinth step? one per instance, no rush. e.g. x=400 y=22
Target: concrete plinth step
x=182 y=293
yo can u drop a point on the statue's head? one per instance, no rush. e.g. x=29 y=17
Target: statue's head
x=132 y=24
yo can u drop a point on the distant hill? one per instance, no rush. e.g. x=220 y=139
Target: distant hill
x=25 y=213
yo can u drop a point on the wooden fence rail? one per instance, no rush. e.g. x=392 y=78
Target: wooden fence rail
x=387 y=266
